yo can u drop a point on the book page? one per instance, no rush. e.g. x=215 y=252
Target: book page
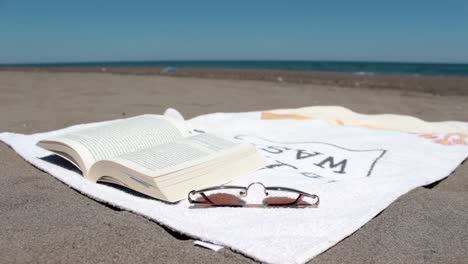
x=195 y=162
x=177 y=155
x=119 y=137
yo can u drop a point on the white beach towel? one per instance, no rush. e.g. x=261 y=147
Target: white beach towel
x=357 y=164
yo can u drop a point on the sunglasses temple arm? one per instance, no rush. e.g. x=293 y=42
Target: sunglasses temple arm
x=199 y=202
x=298 y=198
x=206 y=198
x=313 y=196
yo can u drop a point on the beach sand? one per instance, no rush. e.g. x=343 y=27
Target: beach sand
x=43 y=220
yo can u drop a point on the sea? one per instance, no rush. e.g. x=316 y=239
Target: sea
x=359 y=68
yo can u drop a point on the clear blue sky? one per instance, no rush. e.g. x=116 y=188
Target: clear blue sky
x=113 y=30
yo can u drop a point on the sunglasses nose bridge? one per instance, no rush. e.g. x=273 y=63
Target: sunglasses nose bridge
x=253 y=184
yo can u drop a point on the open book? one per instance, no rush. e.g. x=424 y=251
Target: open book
x=154 y=155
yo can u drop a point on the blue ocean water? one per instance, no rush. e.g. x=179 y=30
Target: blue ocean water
x=434 y=69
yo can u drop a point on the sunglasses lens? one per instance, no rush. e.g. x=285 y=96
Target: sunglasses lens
x=284 y=198
x=222 y=197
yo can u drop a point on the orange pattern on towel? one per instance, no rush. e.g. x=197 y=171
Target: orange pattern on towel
x=443 y=139
x=273 y=116
x=339 y=122
x=447 y=139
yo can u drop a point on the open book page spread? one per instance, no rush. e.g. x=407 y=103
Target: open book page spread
x=131 y=151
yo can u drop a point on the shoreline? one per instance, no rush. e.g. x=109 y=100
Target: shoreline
x=435 y=85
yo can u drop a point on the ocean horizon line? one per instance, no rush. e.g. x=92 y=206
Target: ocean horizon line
x=356 y=67
x=227 y=60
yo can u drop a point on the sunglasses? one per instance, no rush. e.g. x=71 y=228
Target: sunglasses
x=236 y=196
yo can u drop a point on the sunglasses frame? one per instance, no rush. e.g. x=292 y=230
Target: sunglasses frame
x=244 y=191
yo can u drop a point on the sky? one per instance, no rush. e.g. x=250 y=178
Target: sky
x=114 y=30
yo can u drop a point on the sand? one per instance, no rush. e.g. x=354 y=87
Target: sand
x=436 y=85
x=45 y=221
